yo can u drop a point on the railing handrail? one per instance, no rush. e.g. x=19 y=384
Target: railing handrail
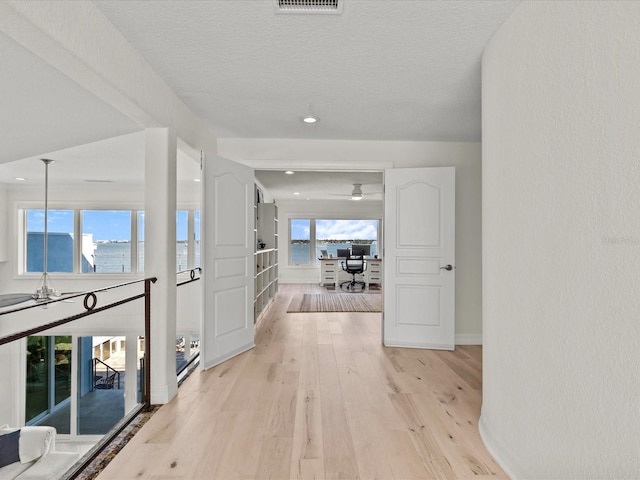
x=90 y=302
x=69 y=296
x=192 y=276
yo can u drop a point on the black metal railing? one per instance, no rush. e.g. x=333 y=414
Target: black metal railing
x=90 y=303
x=192 y=278
x=106 y=381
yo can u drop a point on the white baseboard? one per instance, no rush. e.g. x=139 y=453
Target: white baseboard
x=162 y=394
x=222 y=358
x=499 y=453
x=469 y=339
x=427 y=346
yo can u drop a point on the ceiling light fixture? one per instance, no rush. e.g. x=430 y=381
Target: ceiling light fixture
x=45 y=290
x=289 y=172
x=196 y=179
x=296 y=193
x=21 y=179
x=309 y=119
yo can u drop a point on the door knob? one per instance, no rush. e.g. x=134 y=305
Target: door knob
x=447 y=268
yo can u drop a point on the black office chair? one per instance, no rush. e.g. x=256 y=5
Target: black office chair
x=354 y=265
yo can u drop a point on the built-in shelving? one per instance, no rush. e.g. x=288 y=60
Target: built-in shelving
x=266 y=256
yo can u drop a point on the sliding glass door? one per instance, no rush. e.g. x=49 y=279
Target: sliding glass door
x=48 y=379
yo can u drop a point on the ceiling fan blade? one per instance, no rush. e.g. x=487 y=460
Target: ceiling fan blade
x=9 y=299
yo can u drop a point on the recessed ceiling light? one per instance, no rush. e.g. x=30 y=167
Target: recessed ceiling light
x=309 y=119
x=296 y=193
x=22 y=179
x=289 y=172
x=196 y=179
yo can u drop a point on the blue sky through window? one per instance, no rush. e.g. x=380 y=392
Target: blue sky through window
x=104 y=224
x=347 y=229
x=300 y=229
x=60 y=221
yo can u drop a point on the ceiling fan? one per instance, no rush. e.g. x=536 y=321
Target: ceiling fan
x=356 y=193
x=45 y=290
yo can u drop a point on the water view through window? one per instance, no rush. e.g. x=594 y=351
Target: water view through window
x=104 y=243
x=330 y=235
x=106 y=246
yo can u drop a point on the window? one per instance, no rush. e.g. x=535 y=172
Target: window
x=60 y=242
x=101 y=241
x=140 y=242
x=308 y=237
x=48 y=380
x=196 y=236
x=334 y=234
x=106 y=241
x=182 y=235
x=300 y=241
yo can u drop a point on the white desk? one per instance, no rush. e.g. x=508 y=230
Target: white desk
x=331 y=271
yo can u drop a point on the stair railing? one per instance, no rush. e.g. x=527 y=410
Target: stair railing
x=99 y=378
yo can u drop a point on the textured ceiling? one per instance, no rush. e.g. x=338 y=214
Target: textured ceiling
x=382 y=70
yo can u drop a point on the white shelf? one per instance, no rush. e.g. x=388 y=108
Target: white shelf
x=266 y=260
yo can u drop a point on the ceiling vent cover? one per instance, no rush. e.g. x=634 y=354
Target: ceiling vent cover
x=309 y=6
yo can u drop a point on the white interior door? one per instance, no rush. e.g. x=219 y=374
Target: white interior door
x=227 y=259
x=419 y=258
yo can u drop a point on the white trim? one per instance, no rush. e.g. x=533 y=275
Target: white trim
x=223 y=358
x=429 y=346
x=164 y=393
x=468 y=339
x=320 y=165
x=499 y=453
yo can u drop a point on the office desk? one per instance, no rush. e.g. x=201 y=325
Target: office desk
x=331 y=271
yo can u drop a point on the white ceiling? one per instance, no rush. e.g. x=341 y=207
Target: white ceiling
x=43 y=110
x=305 y=185
x=382 y=70
x=114 y=160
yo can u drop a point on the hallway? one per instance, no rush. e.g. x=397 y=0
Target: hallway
x=319 y=397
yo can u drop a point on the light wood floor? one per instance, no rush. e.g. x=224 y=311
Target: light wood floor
x=319 y=397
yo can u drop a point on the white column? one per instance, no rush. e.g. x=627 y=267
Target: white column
x=160 y=258
x=131 y=373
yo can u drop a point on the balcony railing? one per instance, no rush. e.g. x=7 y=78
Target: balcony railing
x=90 y=306
x=43 y=380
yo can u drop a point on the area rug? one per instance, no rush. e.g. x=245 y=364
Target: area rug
x=335 y=302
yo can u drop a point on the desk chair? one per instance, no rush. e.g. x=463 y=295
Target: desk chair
x=354 y=266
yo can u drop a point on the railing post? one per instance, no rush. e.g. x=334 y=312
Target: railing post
x=147 y=341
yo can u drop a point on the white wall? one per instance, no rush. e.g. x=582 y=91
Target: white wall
x=561 y=241
x=3 y=221
x=376 y=156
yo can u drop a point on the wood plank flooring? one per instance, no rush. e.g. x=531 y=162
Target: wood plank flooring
x=319 y=397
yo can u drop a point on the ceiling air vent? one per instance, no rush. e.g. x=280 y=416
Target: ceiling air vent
x=309 y=6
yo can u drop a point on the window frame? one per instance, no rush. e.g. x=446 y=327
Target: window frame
x=314 y=262
x=22 y=209
x=312 y=241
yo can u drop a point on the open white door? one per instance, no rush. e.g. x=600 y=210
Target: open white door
x=419 y=258
x=227 y=259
